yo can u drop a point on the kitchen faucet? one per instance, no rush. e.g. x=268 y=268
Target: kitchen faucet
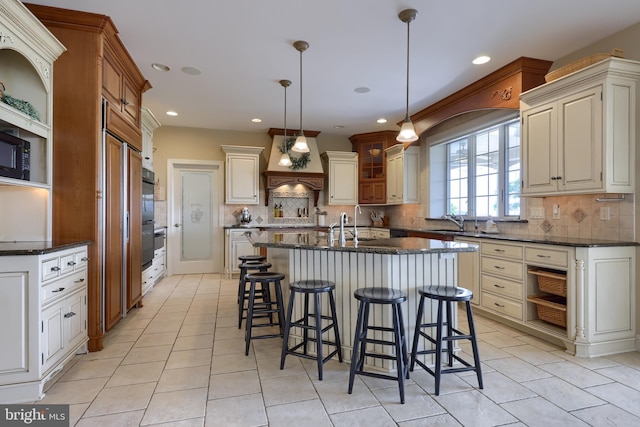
x=456 y=219
x=355 y=223
x=343 y=220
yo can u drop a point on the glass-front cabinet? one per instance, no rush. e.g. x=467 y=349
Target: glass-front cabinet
x=372 y=167
x=27 y=53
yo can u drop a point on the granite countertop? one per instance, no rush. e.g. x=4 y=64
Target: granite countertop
x=14 y=248
x=516 y=238
x=317 y=240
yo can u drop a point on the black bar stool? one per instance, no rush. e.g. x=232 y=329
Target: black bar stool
x=445 y=295
x=247 y=259
x=317 y=288
x=257 y=309
x=387 y=296
x=243 y=293
x=258 y=258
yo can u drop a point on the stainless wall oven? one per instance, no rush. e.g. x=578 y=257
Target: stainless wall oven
x=147 y=218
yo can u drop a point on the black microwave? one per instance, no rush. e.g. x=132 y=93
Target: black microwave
x=14 y=157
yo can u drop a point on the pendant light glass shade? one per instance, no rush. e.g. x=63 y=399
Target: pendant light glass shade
x=407 y=131
x=284 y=160
x=300 y=145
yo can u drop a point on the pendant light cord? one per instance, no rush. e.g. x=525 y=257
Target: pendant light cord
x=408 y=39
x=301 y=130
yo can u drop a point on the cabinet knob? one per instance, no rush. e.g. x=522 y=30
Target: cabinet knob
x=176 y=225
x=71 y=263
x=56 y=268
x=85 y=259
x=58 y=290
x=69 y=314
x=124 y=101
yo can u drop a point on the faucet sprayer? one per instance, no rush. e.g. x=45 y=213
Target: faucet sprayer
x=355 y=223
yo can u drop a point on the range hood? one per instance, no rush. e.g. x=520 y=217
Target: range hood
x=311 y=176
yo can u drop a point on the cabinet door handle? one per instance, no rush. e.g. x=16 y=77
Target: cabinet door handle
x=71 y=263
x=543 y=256
x=498 y=267
x=498 y=305
x=499 y=250
x=69 y=314
x=79 y=281
x=58 y=290
x=498 y=286
x=56 y=268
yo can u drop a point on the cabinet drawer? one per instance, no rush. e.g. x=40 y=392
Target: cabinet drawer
x=551 y=257
x=501 y=286
x=502 y=306
x=50 y=268
x=66 y=263
x=501 y=267
x=81 y=259
x=506 y=251
x=62 y=287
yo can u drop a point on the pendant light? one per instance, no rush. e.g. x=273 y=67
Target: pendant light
x=300 y=145
x=284 y=159
x=407 y=131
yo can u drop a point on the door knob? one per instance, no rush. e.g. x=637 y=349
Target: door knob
x=176 y=225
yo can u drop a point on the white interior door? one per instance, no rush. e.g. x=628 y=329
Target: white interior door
x=195 y=239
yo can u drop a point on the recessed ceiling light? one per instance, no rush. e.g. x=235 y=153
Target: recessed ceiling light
x=256 y=120
x=361 y=89
x=192 y=71
x=338 y=126
x=381 y=120
x=160 y=67
x=481 y=60
x=171 y=113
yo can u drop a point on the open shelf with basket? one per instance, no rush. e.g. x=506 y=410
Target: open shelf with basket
x=548 y=298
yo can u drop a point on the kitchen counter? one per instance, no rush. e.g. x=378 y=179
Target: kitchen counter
x=405 y=263
x=15 y=248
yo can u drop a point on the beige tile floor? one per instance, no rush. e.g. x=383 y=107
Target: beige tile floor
x=179 y=361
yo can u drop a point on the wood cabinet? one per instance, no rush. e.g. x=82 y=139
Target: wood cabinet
x=149 y=125
x=44 y=301
x=27 y=53
x=597 y=309
x=578 y=132
x=89 y=190
x=403 y=174
x=242 y=170
x=372 y=166
x=342 y=177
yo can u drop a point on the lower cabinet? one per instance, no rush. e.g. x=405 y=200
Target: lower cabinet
x=236 y=244
x=156 y=271
x=43 y=305
x=469 y=271
x=581 y=297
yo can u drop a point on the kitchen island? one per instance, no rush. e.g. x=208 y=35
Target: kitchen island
x=406 y=264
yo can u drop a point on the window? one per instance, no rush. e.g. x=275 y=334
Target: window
x=483 y=172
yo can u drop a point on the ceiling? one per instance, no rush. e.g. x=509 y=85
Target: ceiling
x=244 y=47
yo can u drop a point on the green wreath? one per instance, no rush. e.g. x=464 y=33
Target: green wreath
x=297 y=163
x=20 y=105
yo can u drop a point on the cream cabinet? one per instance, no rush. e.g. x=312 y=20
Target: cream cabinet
x=341 y=186
x=27 y=53
x=242 y=170
x=403 y=174
x=149 y=125
x=578 y=132
x=237 y=244
x=591 y=313
x=469 y=270
x=44 y=309
x=379 y=233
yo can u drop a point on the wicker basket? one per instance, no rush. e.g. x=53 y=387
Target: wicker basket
x=581 y=63
x=551 y=308
x=550 y=282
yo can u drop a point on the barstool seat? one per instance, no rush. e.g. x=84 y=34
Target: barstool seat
x=245 y=258
x=386 y=296
x=245 y=268
x=265 y=308
x=315 y=288
x=445 y=295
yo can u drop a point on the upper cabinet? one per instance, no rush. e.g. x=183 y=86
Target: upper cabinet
x=372 y=167
x=342 y=177
x=242 y=171
x=27 y=53
x=403 y=174
x=578 y=132
x=149 y=125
